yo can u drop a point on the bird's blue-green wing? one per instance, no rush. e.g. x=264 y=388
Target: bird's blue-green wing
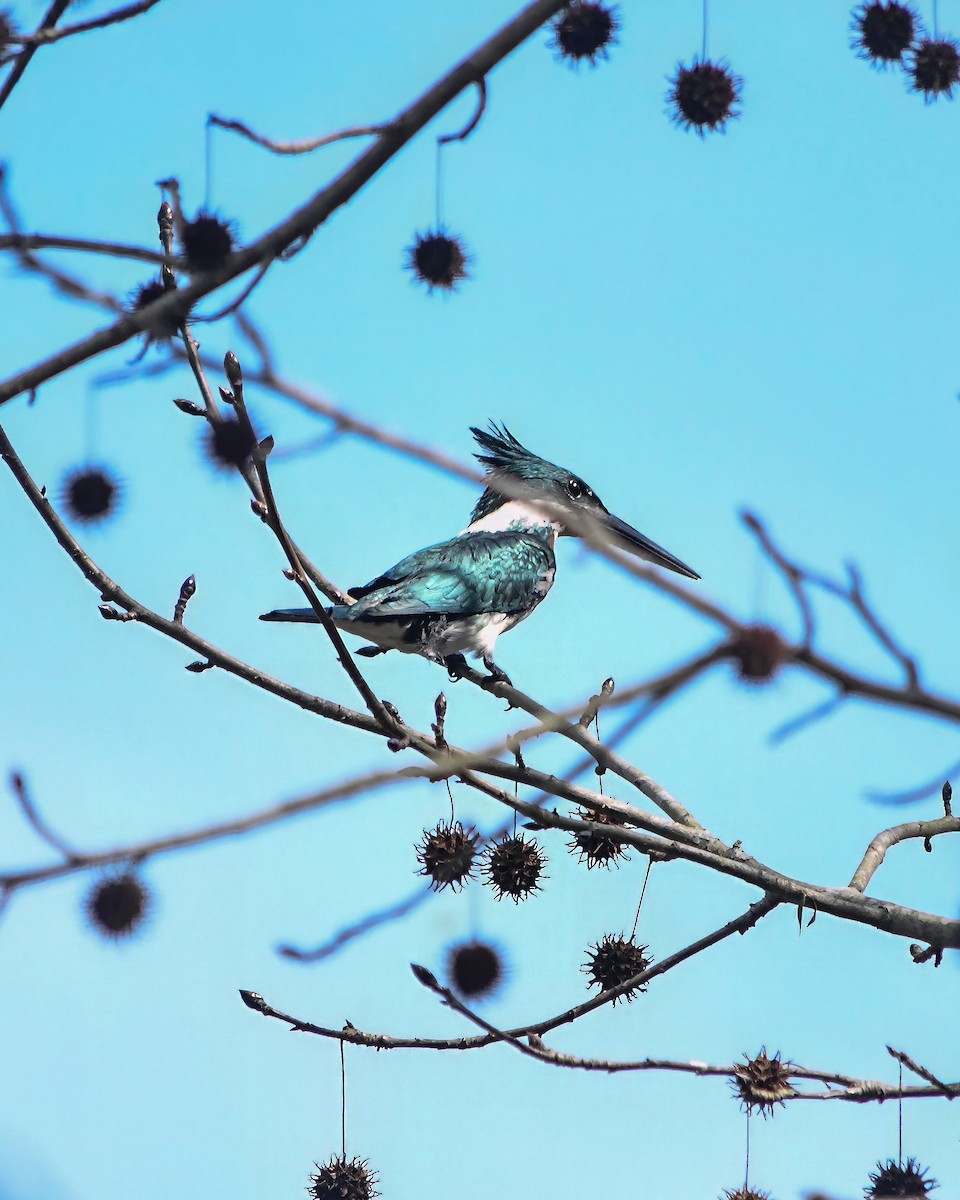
x=475 y=573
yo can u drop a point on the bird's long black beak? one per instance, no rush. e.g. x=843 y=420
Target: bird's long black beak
x=628 y=538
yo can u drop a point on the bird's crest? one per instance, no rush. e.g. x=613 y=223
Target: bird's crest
x=504 y=455
x=503 y=451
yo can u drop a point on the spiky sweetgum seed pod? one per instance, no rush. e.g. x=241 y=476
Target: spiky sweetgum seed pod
x=935 y=67
x=228 y=444
x=166 y=327
x=90 y=494
x=900 y=1179
x=446 y=855
x=514 y=866
x=704 y=96
x=341 y=1178
x=116 y=906
x=745 y=1193
x=475 y=969
x=597 y=849
x=438 y=260
x=759 y=652
x=762 y=1082
x=585 y=30
x=615 y=960
x=206 y=242
x=882 y=33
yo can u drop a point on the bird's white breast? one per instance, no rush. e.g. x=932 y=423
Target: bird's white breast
x=515 y=514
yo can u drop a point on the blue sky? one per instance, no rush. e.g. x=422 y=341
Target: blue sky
x=764 y=319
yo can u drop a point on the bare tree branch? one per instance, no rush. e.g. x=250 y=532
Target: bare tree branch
x=303 y=147
x=18 y=785
x=878 y=848
x=393 y=912
x=76 y=861
x=22 y=61
x=855 y=1090
x=304 y=221
x=46 y=35
x=951 y=1091
x=374 y=705
x=682 y=837
x=43 y=241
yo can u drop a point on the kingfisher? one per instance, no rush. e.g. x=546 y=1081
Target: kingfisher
x=459 y=595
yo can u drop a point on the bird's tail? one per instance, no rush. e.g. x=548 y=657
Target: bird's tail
x=302 y=616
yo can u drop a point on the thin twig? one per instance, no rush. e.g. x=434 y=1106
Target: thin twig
x=18 y=785
x=790 y=572
x=855 y=1090
x=805 y=719
x=951 y=1091
x=249 y=330
x=393 y=912
x=74 y=860
x=248 y=472
x=859 y=602
x=42 y=241
x=234 y=305
x=374 y=705
x=46 y=37
x=852 y=594
x=302 y=147
x=474 y=121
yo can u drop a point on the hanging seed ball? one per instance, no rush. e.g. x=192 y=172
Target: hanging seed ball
x=475 y=969
x=704 y=96
x=597 y=849
x=206 y=242
x=762 y=1082
x=438 y=260
x=116 y=906
x=446 y=855
x=585 y=31
x=746 y=1193
x=613 y=961
x=934 y=67
x=759 y=652
x=90 y=494
x=227 y=444
x=514 y=867
x=163 y=328
x=343 y=1179
x=900 y=1179
x=882 y=33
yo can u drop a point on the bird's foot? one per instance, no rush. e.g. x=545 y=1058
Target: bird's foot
x=369 y=651
x=497 y=674
x=456 y=666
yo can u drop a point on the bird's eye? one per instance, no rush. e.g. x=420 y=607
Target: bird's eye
x=575 y=489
